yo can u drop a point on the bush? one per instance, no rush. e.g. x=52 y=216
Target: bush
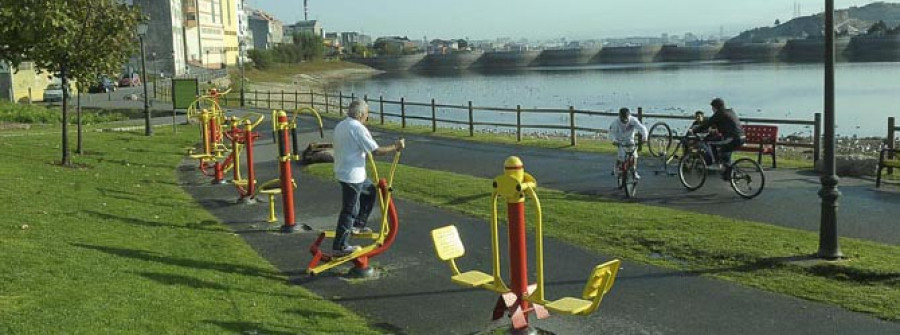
x=262 y=59
x=31 y=114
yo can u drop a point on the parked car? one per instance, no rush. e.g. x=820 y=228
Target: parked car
x=54 y=92
x=130 y=80
x=103 y=85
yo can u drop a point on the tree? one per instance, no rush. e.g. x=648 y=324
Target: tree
x=359 y=49
x=777 y=22
x=262 y=59
x=312 y=46
x=877 y=29
x=76 y=39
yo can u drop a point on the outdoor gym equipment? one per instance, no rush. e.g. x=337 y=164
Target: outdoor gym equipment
x=296 y=114
x=211 y=117
x=519 y=299
x=242 y=138
x=382 y=240
x=286 y=135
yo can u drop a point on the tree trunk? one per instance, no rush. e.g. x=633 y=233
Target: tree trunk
x=66 y=161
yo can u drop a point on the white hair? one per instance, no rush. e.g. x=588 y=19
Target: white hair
x=357 y=108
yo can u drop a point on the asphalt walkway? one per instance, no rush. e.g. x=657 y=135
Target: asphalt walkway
x=414 y=294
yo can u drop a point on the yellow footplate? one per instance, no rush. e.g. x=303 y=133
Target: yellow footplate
x=472 y=279
x=569 y=305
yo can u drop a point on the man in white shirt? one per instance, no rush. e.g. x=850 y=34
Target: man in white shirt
x=622 y=131
x=351 y=143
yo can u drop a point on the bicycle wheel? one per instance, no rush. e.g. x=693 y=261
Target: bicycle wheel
x=747 y=178
x=692 y=171
x=659 y=140
x=630 y=182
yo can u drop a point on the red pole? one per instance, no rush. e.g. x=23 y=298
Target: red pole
x=287 y=188
x=518 y=256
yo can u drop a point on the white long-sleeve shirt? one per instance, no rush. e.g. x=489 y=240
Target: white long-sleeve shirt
x=624 y=132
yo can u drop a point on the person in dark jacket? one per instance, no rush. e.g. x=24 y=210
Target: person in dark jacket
x=728 y=124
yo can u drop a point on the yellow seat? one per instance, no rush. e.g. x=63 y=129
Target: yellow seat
x=449 y=247
x=473 y=279
x=569 y=305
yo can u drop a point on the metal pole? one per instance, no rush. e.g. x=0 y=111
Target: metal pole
x=518 y=123
x=817 y=137
x=640 y=116
x=340 y=102
x=402 y=112
x=381 y=108
x=572 y=125
x=433 y=117
x=892 y=128
x=243 y=79
x=471 y=121
x=287 y=188
x=148 y=131
x=828 y=237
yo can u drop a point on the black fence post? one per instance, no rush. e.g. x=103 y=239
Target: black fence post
x=817 y=137
x=269 y=99
x=326 y=101
x=312 y=98
x=471 y=121
x=402 y=112
x=296 y=99
x=282 y=100
x=256 y=97
x=518 y=123
x=381 y=108
x=340 y=103
x=572 y=125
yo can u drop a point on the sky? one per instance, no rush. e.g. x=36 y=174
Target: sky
x=548 y=19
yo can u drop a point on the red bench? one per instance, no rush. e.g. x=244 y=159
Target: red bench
x=762 y=140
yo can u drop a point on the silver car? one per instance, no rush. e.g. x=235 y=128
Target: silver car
x=54 y=92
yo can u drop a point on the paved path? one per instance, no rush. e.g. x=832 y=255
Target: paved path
x=414 y=294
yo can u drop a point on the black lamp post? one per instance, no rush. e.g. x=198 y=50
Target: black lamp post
x=828 y=237
x=141 y=31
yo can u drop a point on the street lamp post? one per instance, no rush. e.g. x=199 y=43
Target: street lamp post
x=142 y=31
x=241 y=46
x=828 y=237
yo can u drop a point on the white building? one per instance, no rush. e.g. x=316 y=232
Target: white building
x=164 y=42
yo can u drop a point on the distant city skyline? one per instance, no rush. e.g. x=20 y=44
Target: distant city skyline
x=532 y=19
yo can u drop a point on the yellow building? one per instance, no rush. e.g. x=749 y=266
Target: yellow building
x=231 y=24
x=26 y=85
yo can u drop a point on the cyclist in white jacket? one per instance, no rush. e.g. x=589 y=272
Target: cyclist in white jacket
x=621 y=133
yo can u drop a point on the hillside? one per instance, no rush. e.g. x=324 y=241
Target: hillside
x=852 y=21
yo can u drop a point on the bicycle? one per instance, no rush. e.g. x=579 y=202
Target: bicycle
x=626 y=172
x=663 y=145
x=692 y=169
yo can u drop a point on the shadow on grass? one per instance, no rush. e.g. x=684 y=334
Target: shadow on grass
x=316 y=314
x=206 y=225
x=238 y=327
x=463 y=200
x=844 y=273
x=173 y=279
x=188 y=263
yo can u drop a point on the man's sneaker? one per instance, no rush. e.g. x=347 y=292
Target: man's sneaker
x=346 y=251
x=361 y=230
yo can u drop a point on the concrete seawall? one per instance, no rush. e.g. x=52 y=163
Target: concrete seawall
x=857 y=49
x=506 y=59
x=620 y=55
x=673 y=53
x=566 y=57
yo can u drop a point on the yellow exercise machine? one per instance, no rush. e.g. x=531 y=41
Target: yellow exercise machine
x=242 y=137
x=520 y=298
x=381 y=241
x=212 y=118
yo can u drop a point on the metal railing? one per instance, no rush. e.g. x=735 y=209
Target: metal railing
x=574 y=119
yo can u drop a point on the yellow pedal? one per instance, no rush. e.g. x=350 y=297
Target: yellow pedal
x=473 y=279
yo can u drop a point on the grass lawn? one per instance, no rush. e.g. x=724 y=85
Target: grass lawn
x=115 y=246
x=750 y=253
x=281 y=73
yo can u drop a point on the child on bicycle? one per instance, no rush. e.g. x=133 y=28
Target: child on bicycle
x=621 y=132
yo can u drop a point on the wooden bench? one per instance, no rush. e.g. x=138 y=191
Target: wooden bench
x=886 y=161
x=762 y=140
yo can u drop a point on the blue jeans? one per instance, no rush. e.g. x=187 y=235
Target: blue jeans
x=357 y=201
